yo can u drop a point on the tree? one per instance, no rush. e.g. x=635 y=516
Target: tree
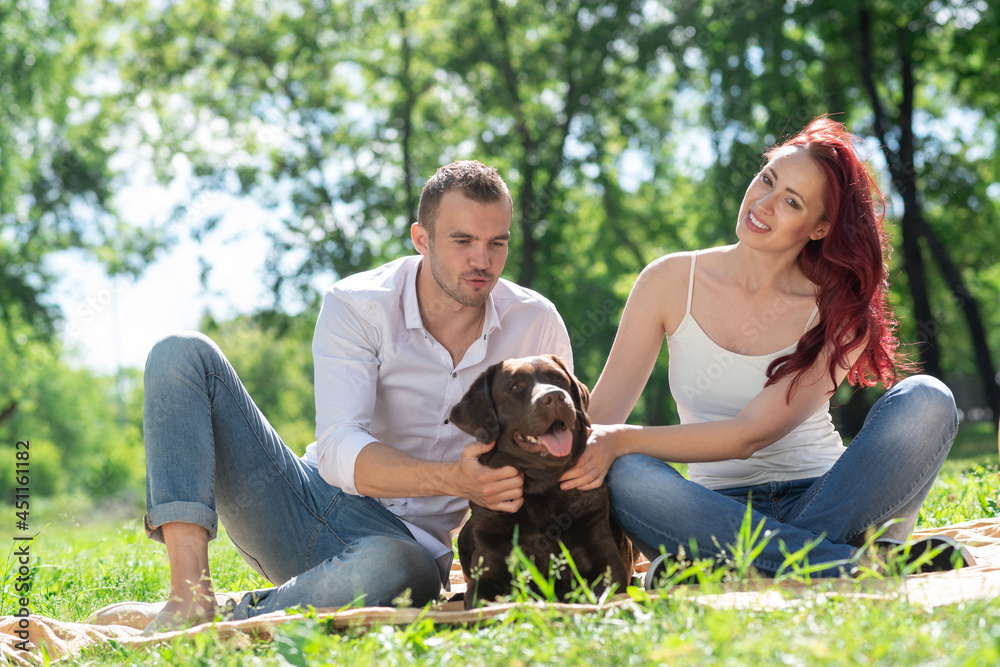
x=909 y=33
x=917 y=76
x=57 y=140
x=272 y=355
x=334 y=113
x=85 y=431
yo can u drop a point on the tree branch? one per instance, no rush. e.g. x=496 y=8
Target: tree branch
x=528 y=266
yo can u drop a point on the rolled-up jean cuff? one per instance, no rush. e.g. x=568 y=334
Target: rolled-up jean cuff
x=184 y=512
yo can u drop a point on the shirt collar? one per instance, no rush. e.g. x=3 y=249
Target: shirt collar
x=411 y=308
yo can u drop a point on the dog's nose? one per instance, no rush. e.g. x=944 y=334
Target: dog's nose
x=550 y=396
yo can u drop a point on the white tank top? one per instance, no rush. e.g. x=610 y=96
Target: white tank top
x=710 y=383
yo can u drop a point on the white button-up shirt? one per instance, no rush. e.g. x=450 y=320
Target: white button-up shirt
x=380 y=376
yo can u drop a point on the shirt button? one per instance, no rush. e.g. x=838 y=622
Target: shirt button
x=454 y=375
x=445 y=421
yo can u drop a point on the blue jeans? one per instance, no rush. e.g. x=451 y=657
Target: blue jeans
x=211 y=454
x=884 y=475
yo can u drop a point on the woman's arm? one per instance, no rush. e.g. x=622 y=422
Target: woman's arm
x=765 y=420
x=655 y=306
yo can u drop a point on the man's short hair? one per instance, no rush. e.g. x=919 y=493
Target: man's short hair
x=475 y=180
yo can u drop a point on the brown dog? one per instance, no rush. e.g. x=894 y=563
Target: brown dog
x=535 y=410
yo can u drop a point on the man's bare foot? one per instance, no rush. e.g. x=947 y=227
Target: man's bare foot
x=192 y=600
x=179 y=614
x=168 y=621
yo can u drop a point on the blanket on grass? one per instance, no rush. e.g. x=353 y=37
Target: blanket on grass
x=23 y=640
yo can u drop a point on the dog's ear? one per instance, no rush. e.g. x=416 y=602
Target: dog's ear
x=578 y=390
x=476 y=414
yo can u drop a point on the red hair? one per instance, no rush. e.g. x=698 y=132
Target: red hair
x=849 y=266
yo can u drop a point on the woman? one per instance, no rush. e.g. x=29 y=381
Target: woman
x=760 y=335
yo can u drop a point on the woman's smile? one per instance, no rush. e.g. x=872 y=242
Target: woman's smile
x=754 y=224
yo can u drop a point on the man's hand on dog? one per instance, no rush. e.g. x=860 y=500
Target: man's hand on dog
x=594 y=463
x=499 y=489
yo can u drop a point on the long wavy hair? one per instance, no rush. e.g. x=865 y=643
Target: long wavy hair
x=849 y=265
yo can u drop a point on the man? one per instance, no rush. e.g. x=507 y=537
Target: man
x=366 y=514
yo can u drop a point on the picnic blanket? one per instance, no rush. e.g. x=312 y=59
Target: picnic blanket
x=23 y=640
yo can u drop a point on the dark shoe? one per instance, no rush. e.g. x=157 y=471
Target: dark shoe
x=665 y=566
x=655 y=572
x=945 y=553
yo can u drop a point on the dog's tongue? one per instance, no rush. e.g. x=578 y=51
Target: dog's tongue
x=559 y=443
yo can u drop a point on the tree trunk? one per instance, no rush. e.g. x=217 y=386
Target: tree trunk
x=527 y=267
x=915 y=226
x=613 y=214
x=903 y=176
x=970 y=308
x=853 y=412
x=408 y=101
x=8 y=412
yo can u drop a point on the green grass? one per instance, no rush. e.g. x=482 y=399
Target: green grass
x=81 y=564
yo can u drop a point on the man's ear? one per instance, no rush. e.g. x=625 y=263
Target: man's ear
x=420 y=237
x=476 y=414
x=578 y=390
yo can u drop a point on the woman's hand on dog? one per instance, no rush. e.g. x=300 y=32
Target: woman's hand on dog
x=499 y=489
x=592 y=468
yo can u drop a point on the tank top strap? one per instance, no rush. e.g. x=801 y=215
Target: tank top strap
x=694 y=257
x=811 y=318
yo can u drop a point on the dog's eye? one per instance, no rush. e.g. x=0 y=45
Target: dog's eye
x=559 y=380
x=517 y=386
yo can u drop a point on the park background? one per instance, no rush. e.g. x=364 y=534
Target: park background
x=216 y=164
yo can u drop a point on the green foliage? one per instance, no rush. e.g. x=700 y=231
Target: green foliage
x=530 y=583
x=334 y=114
x=60 y=122
x=272 y=354
x=84 y=431
x=971 y=489
x=80 y=565
x=80 y=568
x=57 y=142
x=24 y=355
x=626 y=130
